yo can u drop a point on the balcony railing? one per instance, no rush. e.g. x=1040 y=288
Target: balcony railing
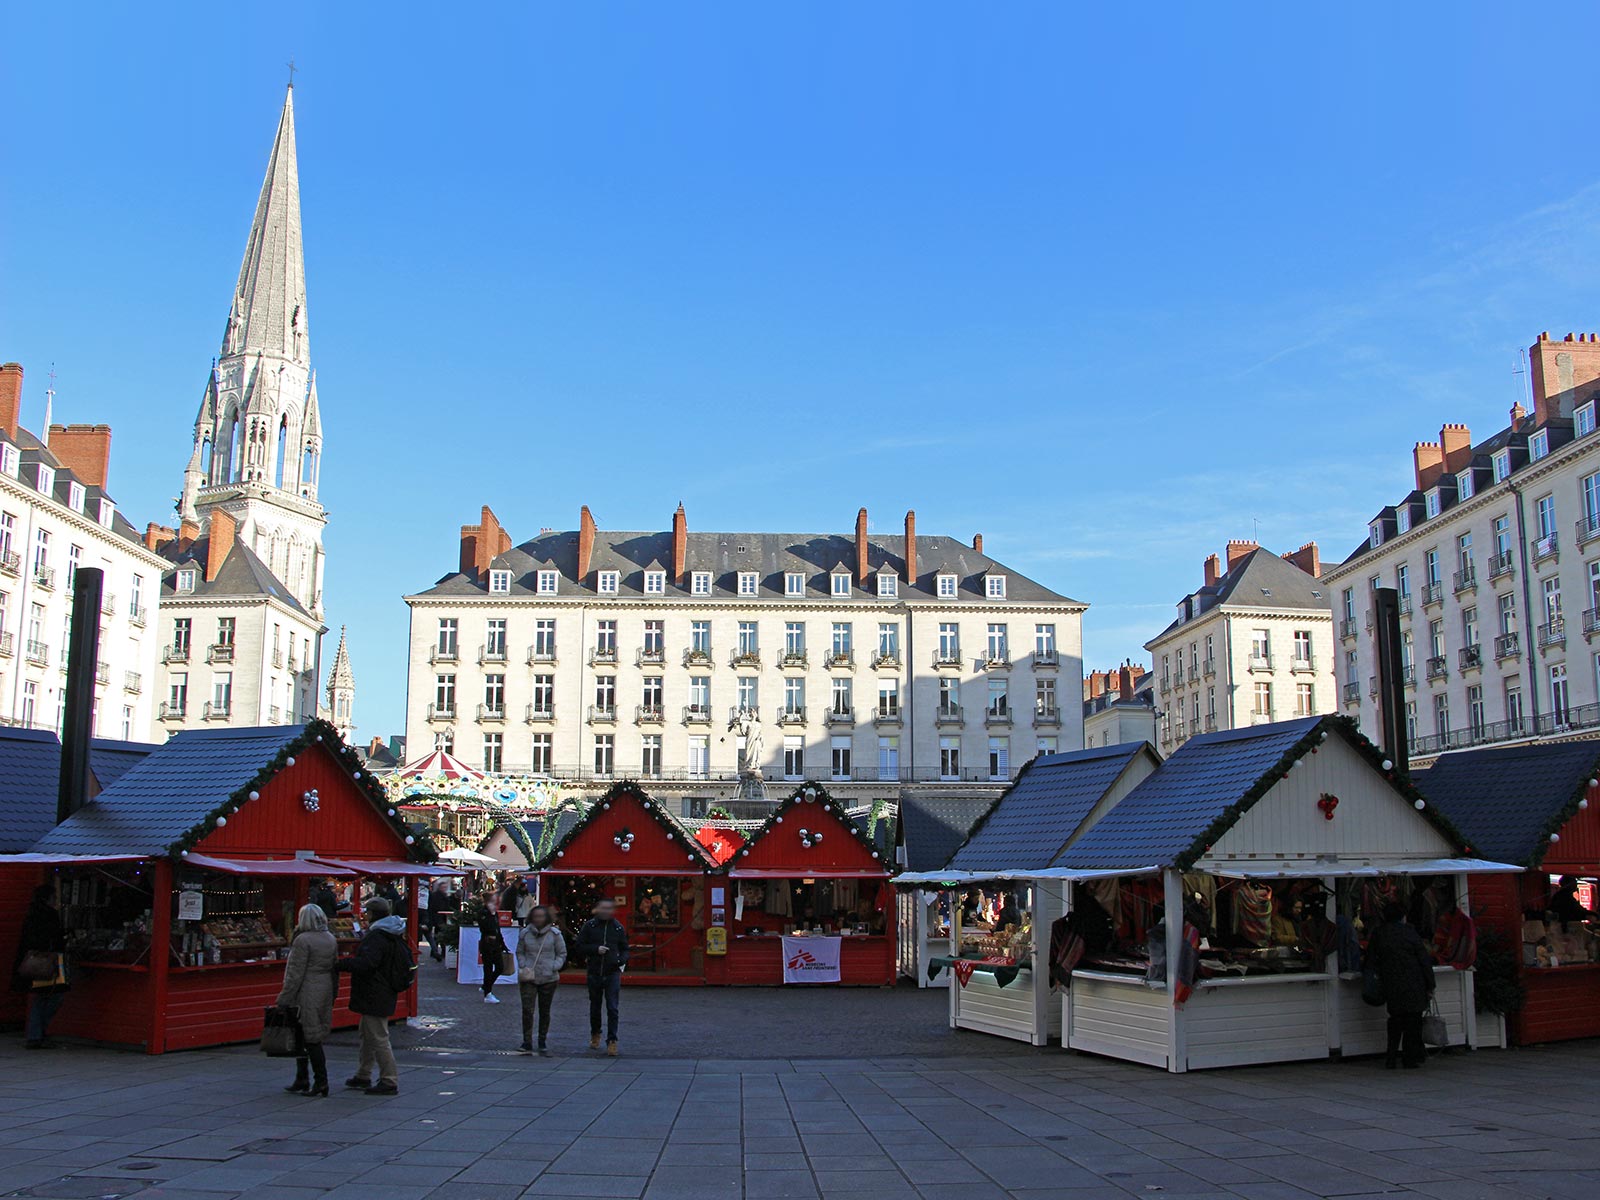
x=839 y=716
x=1352 y=693
x=1553 y=632
x=172 y=710
x=697 y=658
x=1045 y=658
x=734 y=713
x=1470 y=657
x=540 y=713
x=947 y=658
x=888 y=714
x=1208 y=668
x=220 y=652
x=1546 y=547
x=37 y=653
x=1591 y=623
x=1193 y=675
x=1348 y=628
x=746 y=658
x=1466 y=579
x=840 y=660
x=1501 y=564
x=277 y=657
x=441 y=712
x=1588 y=528
x=1262 y=718
x=218 y=710
x=886 y=660
x=947 y=714
x=1047 y=715
x=11 y=562
x=997 y=716
x=541 y=654
x=697 y=714
x=175 y=654
x=102 y=673
x=1211 y=722
x=8 y=645
x=1408 y=676
x=492 y=654
x=108 y=605
x=1569 y=720
x=653 y=658
x=444 y=654
x=603 y=656
x=274 y=715
x=138 y=614
x=1405 y=605
x=602 y=714
x=1507 y=645
x=1303 y=666
x=649 y=714
x=997 y=659
x=1372 y=685
x=792 y=716
x=45 y=577
x=794 y=660
x=1165 y=684
x=1260 y=662
x=133 y=682
x=491 y=712
x=1438 y=667
x=1432 y=593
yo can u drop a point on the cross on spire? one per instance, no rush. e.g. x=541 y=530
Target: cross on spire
x=292 y=70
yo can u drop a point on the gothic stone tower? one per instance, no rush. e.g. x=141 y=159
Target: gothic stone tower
x=258 y=437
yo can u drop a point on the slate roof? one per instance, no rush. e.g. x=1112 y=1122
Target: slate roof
x=1161 y=819
x=242 y=574
x=154 y=804
x=770 y=555
x=1259 y=580
x=931 y=827
x=30 y=773
x=1039 y=814
x=111 y=760
x=1508 y=801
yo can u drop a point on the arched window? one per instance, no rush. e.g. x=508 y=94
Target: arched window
x=205 y=458
x=308 y=471
x=236 y=451
x=283 y=449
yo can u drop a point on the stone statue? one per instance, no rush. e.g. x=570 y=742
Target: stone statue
x=747 y=725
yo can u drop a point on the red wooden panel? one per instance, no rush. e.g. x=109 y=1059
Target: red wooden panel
x=655 y=848
x=17 y=882
x=1578 y=851
x=1494 y=901
x=779 y=846
x=757 y=962
x=107 y=1006
x=1562 y=1003
x=279 y=824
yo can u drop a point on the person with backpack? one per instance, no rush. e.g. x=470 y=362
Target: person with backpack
x=541 y=953
x=603 y=947
x=380 y=970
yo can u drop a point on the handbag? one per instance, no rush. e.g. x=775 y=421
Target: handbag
x=1372 y=986
x=1434 y=1032
x=40 y=965
x=281 y=1035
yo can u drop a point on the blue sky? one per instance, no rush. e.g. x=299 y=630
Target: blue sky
x=1110 y=289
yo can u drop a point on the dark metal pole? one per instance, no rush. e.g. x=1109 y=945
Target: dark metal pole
x=83 y=649
x=1391 y=681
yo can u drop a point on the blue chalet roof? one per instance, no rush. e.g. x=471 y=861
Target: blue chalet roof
x=30 y=773
x=931 y=827
x=1038 y=815
x=1508 y=801
x=1161 y=820
x=179 y=783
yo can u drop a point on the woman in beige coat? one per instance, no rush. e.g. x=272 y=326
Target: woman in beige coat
x=310 y=984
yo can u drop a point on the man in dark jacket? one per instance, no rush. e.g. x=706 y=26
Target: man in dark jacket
x=602 y=945
x=441 y=903
x=377 y=969
x=43 y=938
x=1405 y=968
x=322 y=896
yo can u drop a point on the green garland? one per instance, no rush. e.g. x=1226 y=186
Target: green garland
x=653 y=808
x=821 y=797
x=1560 y=817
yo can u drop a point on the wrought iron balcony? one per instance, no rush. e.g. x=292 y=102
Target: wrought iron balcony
x=1466 y=579
x=1048 y=714
x=220 y=652
x=538 y=714
x=1588 y=528
x=133 y=682
x=841 y=660
x=1437 y=667
x=444 y=654
x=746 y=658
x=218 y=710
x=11 y=562
x=735 y=711
x=45 y=577
x=172 y=710
x=102 y=673
x=175 y=654
x=1432 y=593
x=648 y=714
x=697 y=658
x=1352 y=693
x=603 y=656
x=1405 y=605
x=947 y=714
x=696 y=714
x=492 y=654
x=1408 y=676
x=1303 y=666
x=1211 y=722
x=491 y=713
x=1591 y=623
x=1208 y=668
x=1263 y=718
x=1470 y=657
x=1546 y=547
x=1507 y=645
x=1193 y=675
x=792 y=716
x=839 y=716
x=1372 y=685
x=1347 y=628
x=138 y=615
x=1553 y=632
x=997 y=660
x=37 y=653
x=8 y=645
x=538 y=655
x=886 y=660
x=1501 y=564
x=888 y=714
x=947 y=658
x=1165 y=685
x=277 y=657
x=441 y=712
x=652 y=658
x=794 y=660
x=108 y=605
x=602 y=714
x=1260 y=662
x=997 y=716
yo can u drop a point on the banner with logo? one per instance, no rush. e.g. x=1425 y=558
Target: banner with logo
x=811 y=959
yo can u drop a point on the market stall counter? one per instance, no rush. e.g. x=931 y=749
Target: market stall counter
x=806 y=901
x=179 y=884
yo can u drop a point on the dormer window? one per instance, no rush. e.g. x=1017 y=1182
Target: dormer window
x=1431 y=502
x=794 y=583
x=946 y=587
x=655 y=583
x=747 y=583
x=1402 y=518
x=888 y=585
x=46 y=479
x=1502 y=465
x=1464 y=485
x=75 y=496
x=994 y=587
x=545 y=583
x=1583 y=420
x=499 y=582
x=1539 y=445
x=186 y=580
x=9 y=459
x=606 y=582
x=700 y=583
x=841 y=584
x=1375 y=534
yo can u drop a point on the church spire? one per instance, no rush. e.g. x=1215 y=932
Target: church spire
x=341 y=689
x=268 y=315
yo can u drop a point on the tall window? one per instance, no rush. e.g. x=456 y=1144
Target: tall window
x=41 y=551
x=794 y=639
x=1559 y=707
x=700 y=694
x=749 y=692
x=177 y=696
x=1263 y=699
x=1502 y=536
x=605 y=638
x=949 y=758
x=999 y=647
x=841 y=639
x=949 y=642
x=1464 y=556
x=449 y=632
x=1441 y=714
x=544 y=696
x=494 y=695
x=541 y=752
x=949 y=697
x=222 y=693
x=494 y=638
x=655 y=639
x=888 y=697
x=699 y=756
x=650 y=694
x=1430 y=566
x=1545 y=510
x=1591 y=503
x=889 y=640
x=1513 y=695
x=1044 y=697
x=749 y=640
x=794 y=757
x=1304 y=704
x=700 y=637
x=1469 y=626
x=74 y=554
x=544 y=640
x=843 y=697
x=999 y=698
x=1436 y=638
x=794 y=697
x=1475 y=717
x=1402 y=580
x=605 y=695
x=1552 y=598
x=1261 y=645
x=182 y=632
x=1302 y=646
x=650 y=756
x=493 y=751
x=1044 y=643
x=444 y=694
x=999 y=758
x=888 y=758
x=605 y=755
x=1348 y=602
x=839 y=765
x=1508 y=613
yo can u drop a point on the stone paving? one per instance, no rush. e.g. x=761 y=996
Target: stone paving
x=750 y=1116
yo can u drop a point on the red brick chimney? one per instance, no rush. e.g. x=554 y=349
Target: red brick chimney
x=1565 y=374
x=911 y=547
x=1125 y=681
x=482 y=543
x=861 y=548
x=1456 y=441
x=10 y=397
x=157 y=536
x=680 y=544
x=1517 y=413
x=223 y=529
x=1097 y=684
x=188 y=531
x=1238 y=550
x=1308 y=558
x=85 y=450
x=585 y=542
x=977 y=542
x=1213 y=569
x=1428 y=458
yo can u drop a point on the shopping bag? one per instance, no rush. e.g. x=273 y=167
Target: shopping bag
x=1434 y=1032
x=281 y=1035
x=38 y=965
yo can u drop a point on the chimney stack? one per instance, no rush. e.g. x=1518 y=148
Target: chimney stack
x=1097 y=684
x=157 y=536
x=861 y=548
x=1213 y=570
x=188 y=534
x=977 y=542
x=1237 y=550
x=481 y=544
x=1517 y=413
x=85 y=450
x=223 y=530
x=1456 y=442
x=1565 y=375
x=911 y=548
x=585 y=542
x=1308 y=558
x=680 y=544
x=10 y=397
x=77 y=723
x=1428 y=458
x=1125 y=681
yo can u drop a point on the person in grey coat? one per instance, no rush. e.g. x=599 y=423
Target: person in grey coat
x=541 y=953
x=1405 y=968
x=310 y=984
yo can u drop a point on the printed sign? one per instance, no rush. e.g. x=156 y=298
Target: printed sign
x=191 y=906
x=811 y=959
x=716 y=941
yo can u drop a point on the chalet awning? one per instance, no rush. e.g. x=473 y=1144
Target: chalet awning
x=263 y=867
x=385 y=868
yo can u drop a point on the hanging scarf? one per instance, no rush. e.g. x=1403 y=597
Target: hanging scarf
x=1254 y=907
x=1455 y=940
x=1066 y=951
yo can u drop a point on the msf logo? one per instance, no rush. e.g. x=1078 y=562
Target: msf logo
x=803 y=960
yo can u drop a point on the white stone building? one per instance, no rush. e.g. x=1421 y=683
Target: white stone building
x=1252 y=646
x=241 y=599
x=874 y=662
x=1496 y=555
x=1119 y=706
x=55 y=517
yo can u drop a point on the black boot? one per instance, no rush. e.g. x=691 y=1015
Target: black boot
x=302 y=1076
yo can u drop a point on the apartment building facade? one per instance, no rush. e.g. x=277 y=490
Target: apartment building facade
x=1495 y=553
x=1119 y=706
x=55 y=517
x=1254 y=644
x=873 y=662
